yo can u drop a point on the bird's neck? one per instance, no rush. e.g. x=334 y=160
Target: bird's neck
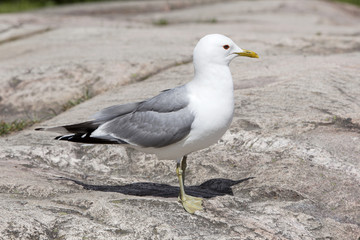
x=214 y=75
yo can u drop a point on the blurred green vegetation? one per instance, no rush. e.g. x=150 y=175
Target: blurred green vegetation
x=8 y=6
x=355 y=2
x=17 y=125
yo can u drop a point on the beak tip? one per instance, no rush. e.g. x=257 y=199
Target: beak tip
x=248 y=53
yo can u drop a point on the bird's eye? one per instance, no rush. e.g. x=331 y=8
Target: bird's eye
x=226 y=47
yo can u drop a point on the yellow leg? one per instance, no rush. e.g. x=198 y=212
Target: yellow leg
x=190 y=203
x=183 y=166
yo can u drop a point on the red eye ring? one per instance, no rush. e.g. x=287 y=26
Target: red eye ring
x=226 y=47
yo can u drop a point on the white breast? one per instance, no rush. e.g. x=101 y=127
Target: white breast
x=212 y=103
x=213 y=107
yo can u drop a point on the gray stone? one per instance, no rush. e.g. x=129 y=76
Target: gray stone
x=296 y=128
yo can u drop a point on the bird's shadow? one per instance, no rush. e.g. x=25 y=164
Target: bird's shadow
x=208 y=189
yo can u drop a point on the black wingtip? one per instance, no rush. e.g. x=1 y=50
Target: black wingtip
x=39 y=129
x=69 y=137
x=86 y=138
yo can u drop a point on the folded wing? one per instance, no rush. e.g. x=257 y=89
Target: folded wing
x=156 y=122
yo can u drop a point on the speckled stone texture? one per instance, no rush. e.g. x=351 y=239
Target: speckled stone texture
x=296 y=129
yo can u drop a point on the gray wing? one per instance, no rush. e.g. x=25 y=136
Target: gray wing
x=88 y=127
x=157 y=122
x=112 y=112
x=167 y=101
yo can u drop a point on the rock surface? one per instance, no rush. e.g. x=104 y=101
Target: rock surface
x=296 y=128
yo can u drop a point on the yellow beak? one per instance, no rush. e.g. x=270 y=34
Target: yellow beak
x=248 y=53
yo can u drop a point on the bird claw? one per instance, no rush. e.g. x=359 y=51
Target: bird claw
x=191 y=204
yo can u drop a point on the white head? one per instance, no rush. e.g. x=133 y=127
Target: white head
x=218 y=49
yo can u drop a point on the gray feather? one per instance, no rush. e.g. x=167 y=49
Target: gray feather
x=112 y=112
x=157 y=122
x=168 y=101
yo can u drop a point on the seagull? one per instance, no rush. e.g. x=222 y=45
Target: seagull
x=176 y=122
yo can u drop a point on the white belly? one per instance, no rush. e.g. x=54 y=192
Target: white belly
x=213 y=114
x=209 y=126
x=212 y=104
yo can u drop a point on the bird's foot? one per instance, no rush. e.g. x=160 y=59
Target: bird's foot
x=190 y=203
